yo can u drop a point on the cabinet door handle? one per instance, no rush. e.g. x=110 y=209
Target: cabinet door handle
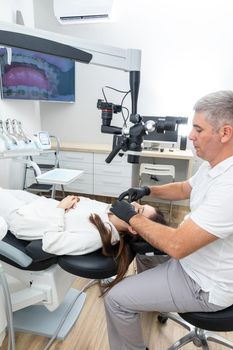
x=79 y=159
x=111 y=182
x=112 y=172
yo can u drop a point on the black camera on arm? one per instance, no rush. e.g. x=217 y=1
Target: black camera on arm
x=125 y=138
x=107 y=113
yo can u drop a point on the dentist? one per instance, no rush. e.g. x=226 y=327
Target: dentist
x=198 y=275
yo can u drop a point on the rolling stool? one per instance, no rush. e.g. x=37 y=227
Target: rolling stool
x=201 y=326
x=157 y=170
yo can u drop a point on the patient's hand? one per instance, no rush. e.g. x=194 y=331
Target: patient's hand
x=68 y=202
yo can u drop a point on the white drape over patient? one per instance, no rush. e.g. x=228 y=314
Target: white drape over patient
x=32 y=217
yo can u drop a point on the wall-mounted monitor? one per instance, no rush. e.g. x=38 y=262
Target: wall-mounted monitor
x=36 y=76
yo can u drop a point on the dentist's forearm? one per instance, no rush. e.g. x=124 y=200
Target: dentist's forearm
x=171 y=191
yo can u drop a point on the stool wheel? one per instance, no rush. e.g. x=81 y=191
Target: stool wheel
x=162 y=319
x=197 y=343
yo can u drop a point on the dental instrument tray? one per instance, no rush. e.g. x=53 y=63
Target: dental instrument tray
x=59 y=176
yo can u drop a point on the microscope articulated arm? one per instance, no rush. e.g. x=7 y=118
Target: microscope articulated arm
x=15 y=35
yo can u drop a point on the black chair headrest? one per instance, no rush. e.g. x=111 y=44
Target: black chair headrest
x=142 y=247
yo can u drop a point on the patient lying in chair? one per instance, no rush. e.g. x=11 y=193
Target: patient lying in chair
x=73 y=226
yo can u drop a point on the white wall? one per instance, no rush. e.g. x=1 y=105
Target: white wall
x=26 y=111
x=187 y=51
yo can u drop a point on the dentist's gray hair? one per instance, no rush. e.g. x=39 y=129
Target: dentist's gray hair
x=218 y=108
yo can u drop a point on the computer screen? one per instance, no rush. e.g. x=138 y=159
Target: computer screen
x=167 y=136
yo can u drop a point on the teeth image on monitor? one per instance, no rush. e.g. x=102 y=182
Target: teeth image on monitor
x=37 y=76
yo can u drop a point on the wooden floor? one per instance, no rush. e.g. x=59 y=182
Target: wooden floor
x=89 y=331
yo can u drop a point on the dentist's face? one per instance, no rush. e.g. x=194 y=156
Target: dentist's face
x=206 y=141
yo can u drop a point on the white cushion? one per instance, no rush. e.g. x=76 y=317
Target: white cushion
x=3 y=228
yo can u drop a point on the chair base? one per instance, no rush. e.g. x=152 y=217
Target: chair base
x=198 y=336
x=36 y=319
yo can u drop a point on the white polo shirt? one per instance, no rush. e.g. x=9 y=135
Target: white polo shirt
x=211 y=204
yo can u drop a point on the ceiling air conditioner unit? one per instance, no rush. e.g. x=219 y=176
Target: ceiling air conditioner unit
x=83 y=11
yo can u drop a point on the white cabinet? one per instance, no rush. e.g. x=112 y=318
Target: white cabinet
x=99 y=178
x=82 y=161
x=111 y=179
x=48 y=157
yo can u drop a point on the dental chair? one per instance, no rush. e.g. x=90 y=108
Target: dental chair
x=43 y=301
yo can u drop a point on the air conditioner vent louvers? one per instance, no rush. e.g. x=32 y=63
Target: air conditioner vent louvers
x=87 y=17
x=83 y=11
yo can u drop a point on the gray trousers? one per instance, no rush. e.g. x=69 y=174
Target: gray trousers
x=163 y=288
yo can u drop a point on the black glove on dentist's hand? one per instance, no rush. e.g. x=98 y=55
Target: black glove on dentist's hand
x=135 y=193
x=123 y=210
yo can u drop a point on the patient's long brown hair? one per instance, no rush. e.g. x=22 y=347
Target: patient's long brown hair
x=118 y=250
